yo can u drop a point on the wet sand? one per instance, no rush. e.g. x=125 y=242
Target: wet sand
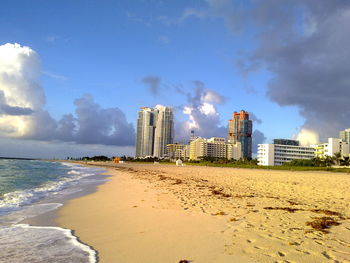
x=164 y=213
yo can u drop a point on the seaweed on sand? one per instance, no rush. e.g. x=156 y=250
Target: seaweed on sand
x=288 y=209
x=322 y=223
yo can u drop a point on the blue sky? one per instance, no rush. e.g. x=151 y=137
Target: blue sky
x=106 y=48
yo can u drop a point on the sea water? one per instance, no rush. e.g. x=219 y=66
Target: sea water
x=30 y=188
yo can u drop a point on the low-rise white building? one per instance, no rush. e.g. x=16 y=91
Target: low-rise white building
x=334 y=145
x=178 y=151
x=214 y=147
x=278 y=154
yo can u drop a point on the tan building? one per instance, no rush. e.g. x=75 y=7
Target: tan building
x=155 y=130
x=214 y=147
x=178 y=151
x=234 y=151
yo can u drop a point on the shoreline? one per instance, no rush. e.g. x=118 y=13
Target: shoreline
x=141 y=224
x=249 y=215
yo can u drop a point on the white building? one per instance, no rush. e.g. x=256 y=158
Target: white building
x=214 y=147
x=334 y=145
x=278 y=154
x=345 y=135
x=178 y=151
x=234 y=151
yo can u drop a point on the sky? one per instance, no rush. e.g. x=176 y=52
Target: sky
x=73 y=74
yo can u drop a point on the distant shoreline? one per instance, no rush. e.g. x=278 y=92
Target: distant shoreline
x=18 y=158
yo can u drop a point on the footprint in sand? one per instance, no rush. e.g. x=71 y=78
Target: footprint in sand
x=262 y=248
x=303 y=251
x=327 y=255
x=281 y=254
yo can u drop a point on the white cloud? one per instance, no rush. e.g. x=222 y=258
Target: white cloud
x=22 y=102
x=208 y=109
x=307 y=137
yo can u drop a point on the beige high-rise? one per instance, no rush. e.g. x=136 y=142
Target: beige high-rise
x=155 y=130
x=164 y=131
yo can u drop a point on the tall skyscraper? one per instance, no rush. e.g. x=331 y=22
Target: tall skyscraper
x=155 y=130
x=240 y=130
x=164 y=132
x=145 y=132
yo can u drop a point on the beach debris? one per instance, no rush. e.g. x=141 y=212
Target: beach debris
x=328 y=212
x=178 y=181
x=293 y=243
x=322 y=223
x=288 y=209
x=291 y=202
x=220 y=192
x=221 y=213
x=241 y=196
x=162 y=177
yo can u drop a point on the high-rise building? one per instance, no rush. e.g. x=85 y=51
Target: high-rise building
x=164 y=131
x=155 y=130
x=240 y=130
x=345 y=135
x=145 y=132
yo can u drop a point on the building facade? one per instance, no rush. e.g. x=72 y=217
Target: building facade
x=145 y=132
x=334 y=145
x=240 y=130
x=234 y=151
x=164 y=131
x=178 y=151
x=345 y=135
x=286 y=142
x=155 y=130
x=278 y=154
x=214 y=147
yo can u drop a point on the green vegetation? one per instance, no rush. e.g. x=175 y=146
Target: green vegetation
x=100 y=158
x=328 y=161
x=315 y=164
x=281 y=167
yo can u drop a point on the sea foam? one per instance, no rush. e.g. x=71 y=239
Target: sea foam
x=42 y=244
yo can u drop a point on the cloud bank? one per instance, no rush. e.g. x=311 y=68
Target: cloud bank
x=303 y=43
x=22 y=113
x=202 y=114
x=204 y=119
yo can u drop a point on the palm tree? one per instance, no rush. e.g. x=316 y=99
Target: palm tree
x=337 y=157
x=317 y=161
x=345 y=161
x=328 y=161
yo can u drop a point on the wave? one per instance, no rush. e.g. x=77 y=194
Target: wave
x=13 y=201
x=42 y=244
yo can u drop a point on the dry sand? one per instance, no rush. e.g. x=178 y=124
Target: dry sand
x=164 y=213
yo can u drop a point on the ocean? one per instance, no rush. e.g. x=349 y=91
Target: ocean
x=28 y=189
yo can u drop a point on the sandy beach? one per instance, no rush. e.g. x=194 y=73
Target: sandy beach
x=164 y=213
